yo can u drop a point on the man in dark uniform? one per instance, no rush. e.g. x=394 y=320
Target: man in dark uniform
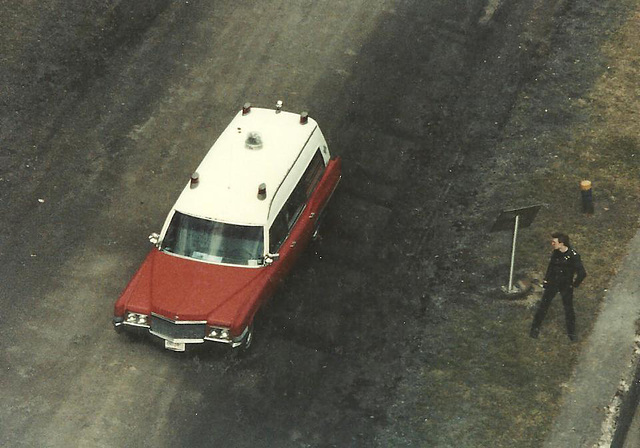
x=564 y=273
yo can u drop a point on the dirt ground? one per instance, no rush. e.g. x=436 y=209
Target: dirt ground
x=393 y=331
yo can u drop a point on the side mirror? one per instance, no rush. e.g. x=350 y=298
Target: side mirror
x=270 y=258
x=154 y=238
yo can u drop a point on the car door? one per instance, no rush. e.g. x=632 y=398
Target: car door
x=298 y=217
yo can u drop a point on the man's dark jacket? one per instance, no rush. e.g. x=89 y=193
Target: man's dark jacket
x=563 y=266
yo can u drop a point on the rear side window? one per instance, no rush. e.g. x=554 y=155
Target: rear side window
x=313 y=173
x=291 y=210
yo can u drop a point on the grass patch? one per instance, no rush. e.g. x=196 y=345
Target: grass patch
x=486 y=383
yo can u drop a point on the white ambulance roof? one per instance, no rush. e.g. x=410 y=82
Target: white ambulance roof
x=231 y=172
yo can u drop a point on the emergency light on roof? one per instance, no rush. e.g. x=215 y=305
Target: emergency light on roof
x=195 y=179
x=253 y=141
x=262 y=191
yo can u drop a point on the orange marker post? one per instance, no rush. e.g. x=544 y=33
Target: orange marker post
x=587 y=197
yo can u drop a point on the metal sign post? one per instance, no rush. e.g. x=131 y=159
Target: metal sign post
x=514 y=218
x=513 y=253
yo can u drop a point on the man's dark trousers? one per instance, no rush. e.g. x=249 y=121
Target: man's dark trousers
x=567 y=300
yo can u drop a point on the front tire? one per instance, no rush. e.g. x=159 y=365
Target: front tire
x=246 y=342
x=249 y=339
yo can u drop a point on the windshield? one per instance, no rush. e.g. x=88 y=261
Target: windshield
x=207 y=240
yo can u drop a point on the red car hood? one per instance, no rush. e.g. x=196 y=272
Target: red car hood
x=185 y=289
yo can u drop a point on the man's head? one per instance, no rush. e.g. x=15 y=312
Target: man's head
x=559 y=240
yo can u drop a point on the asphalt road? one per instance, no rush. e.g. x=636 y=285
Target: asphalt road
x=106 y=113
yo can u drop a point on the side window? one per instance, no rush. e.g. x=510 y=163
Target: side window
x=278 y=232
x=313 y=173
x=291 y=210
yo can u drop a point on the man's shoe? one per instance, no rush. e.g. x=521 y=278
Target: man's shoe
x=573 y=337
x=534 y=333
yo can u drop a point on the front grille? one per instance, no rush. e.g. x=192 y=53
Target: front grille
x=175 y=330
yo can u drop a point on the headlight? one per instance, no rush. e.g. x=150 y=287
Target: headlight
x=136 y=319
x=218 y=333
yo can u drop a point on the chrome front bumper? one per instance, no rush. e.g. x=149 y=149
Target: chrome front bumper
x=177 y=332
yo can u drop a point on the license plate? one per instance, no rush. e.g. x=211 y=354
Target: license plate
x=175 y=346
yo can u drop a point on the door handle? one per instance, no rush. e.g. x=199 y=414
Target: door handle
x=293 y=244
x=312 y=215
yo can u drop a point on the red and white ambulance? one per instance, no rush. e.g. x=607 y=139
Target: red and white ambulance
x=235 y=231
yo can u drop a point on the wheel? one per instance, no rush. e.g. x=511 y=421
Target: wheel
x=315 y=236
x=243 y=348
x=249 y=339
